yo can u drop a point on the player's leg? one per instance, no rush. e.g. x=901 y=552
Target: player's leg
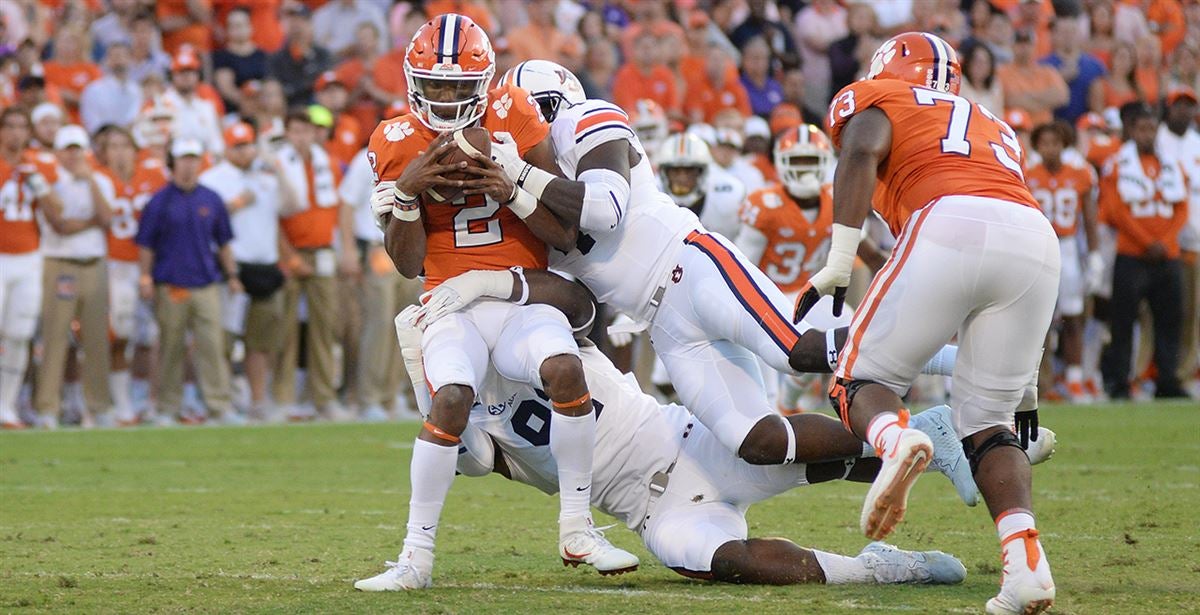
x=1130 y=285
x=20 y=304
x=1071 y=292
x=122 y=305
x=455 y=363
x=1165 y=297
x=536 y=346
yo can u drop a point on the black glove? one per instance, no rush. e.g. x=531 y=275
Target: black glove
x=1027 y=427
x=809 y=297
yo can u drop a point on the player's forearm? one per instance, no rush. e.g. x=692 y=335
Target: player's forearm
x=564 y=198
x=552 y=230
x=853 y=186
x=228 y=264
x=405 y=244
x=1090 y=230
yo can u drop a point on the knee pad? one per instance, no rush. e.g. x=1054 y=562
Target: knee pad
x=841 y=395
x=976 y=454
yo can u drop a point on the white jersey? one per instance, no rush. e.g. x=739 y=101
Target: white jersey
x=723 y=196
x=635 y=436
x=623 y=267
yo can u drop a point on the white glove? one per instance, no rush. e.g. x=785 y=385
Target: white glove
x=622 y=330
x=504 y=152
x=409 y=327
x=1095 y=272
x=462 y=290
x=382 y=202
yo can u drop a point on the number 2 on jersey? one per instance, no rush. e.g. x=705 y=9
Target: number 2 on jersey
x=956 y=142
x=467 y=223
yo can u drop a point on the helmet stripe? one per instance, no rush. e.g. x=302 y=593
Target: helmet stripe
x=941 y=60
x=454 y=41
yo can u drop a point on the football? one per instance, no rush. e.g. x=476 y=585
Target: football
x=470 y=141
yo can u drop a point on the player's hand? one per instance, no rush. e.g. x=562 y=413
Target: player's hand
x=491 y=180
x=425 y=172
x=825 y=282
x=504 y=152
x=410 y=324
x=383 y=200
x=235 y=286
x=146 y=288
x=1094 y=275
x=464 y=289
x=620 y=332
x=1026 y=425
x=33 y=179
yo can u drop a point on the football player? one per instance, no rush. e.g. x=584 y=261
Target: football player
x=25 y=180
x=687 y=174
x=449 y=66
x=974 y=257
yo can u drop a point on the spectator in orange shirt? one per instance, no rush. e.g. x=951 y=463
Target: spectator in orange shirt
x=71 y=70
x=387 y=74
x=1149 y=68
x=1034 y=16
x=1101 y=38
x=1033 y=87
x=471 y=8
x=365 y=97
x=185 y=22
x=645 y=77
x=1144 y=196
x=343 y=139
x=541 y=38
x=715 y=90
x=1120 y=85
x=1166 y=21
x=649 y=19
x=264 y=21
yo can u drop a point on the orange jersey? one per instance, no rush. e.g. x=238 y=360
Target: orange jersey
x=149 y=176
x=475 y=232
x=942 y=145
x=1139 y=224
x=1061 y=194
x=18 y=226
x=796 y=248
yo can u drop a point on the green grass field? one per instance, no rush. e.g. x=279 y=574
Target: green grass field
x=283 y=519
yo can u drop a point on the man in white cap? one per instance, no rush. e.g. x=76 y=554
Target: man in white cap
x=47 y=119
x=75 y=279
x=180 y=273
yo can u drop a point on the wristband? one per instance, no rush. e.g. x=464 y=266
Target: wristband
x=534 y=180
x=843 y=247
x=406 y=214
x=520 y=273
x=523 y=204
x=587 y=325
x=403 y=197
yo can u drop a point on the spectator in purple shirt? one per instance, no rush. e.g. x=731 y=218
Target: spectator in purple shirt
x=183 y=240
x=764 y=91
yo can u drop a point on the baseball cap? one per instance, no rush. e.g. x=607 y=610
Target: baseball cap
x=71 y=135
x=239 y=134
x=327 y=79
x=44 y=111
x=1178 y=93
x=186 y=147
x=1018 y=119
x=729 y=136
x=186 y=59
x=1091 y=120
x=757 y=127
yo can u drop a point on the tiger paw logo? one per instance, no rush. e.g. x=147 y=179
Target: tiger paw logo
x=502 y=106
x=397 y=132
x=883 y=55
x=771 y=200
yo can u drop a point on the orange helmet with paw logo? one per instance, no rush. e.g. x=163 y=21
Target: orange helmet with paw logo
x=449 y=65
x=803 y=159
x=919 y=58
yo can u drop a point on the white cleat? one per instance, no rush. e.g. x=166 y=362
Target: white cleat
x=1026 y=587
x=888 y=498
x=413 y=570
x=948 y=457
x=893 y=565
x=1042 y=449
x=580 y=542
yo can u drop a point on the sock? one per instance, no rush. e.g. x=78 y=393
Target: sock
x=942 y=363
x=573 y=442
x=14 y=358
x=431 y=475
x=840 y=569
x=1012 y=521
x=1074 y=374
x=883 y=431
x=119 y=384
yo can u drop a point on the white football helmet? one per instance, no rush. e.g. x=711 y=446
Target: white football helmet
x=551 y=85
x=688 y=151
x=803 y=157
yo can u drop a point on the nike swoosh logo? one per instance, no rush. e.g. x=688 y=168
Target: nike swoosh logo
x=581 y=488
x=428 y=527
x=578 y=556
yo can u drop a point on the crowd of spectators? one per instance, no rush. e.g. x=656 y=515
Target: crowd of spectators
x=245 y=122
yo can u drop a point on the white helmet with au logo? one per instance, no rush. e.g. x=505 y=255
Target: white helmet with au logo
x=683 y=161
x=551 y=85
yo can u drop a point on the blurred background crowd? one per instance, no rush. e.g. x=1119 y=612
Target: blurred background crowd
x=115 y=110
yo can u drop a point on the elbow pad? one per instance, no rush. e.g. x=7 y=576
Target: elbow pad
x=476 y=454
x=605 y=199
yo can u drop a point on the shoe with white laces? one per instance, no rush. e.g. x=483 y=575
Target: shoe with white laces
x=1026 y=587
x=1042 y=449
x=888 y=497
x=412 y=570
x=948 y=457
x=580 y=542
x=890 y=564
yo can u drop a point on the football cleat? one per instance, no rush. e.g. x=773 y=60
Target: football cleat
x=1026 y=587
x=412 y=570
x=888 y=497
x=948 y=457
x=892 y=565
x=580 y=542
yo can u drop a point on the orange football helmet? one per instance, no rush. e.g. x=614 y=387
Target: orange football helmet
x=649 y=122
x=449 y=66
x=803 y=157
x=919 y=58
